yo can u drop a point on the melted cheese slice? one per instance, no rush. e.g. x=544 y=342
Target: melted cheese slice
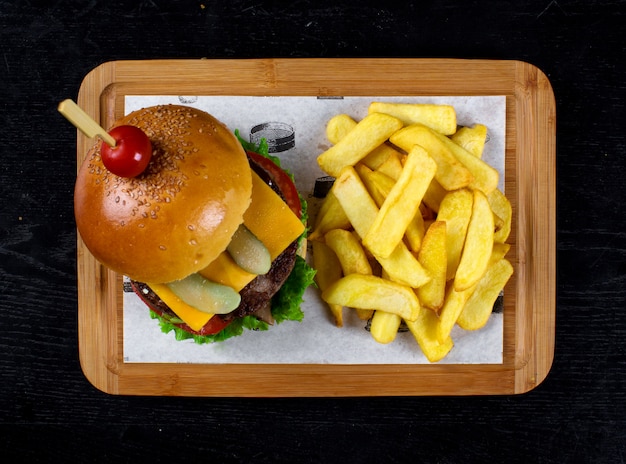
x=193 y=318
x=271 y=221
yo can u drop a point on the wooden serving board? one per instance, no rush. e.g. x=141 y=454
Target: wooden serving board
x=530 y=177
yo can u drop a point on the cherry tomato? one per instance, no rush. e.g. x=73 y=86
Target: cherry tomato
x=131 y=154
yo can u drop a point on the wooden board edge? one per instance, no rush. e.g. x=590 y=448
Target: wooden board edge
x=95 y=291
x=537 y=226
x=105 y=376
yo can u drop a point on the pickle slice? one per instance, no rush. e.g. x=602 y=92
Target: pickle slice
x=204 y=295
x=249 y=252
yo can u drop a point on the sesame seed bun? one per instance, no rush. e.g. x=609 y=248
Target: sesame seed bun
x=180 y=214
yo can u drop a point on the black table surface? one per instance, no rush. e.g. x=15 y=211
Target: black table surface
x=49 y=411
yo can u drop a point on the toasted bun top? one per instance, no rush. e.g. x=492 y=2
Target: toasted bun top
x=180 y=214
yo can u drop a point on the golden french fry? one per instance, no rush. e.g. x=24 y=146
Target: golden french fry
x=338 y=127
x=361 y=209
x=379 y=185
x=501 y=206
x=392 y=166
x=415 y=232
x=349 y=251
x=451 y=173
x=379 y=156
x=441 y=118
x=355 y=200
x=433 y=257
x=330 y=216
x=366 y=291
x=499 y=251
x=434 y=195
x=478 y=244
x=424 y=330
x=401 y=204
x=402 y=266
x=471 y=138
x=368 y=134
x=479 y=306
x=452 y=307
x=484 y=177
x=384 y=326
x=455 y=210
x=328 y=272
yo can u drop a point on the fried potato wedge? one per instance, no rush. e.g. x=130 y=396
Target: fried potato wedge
x=455 y=210
x=484 y=177
x=434 y=195
x=433 y=257
x=392 y=166
x=478 y=244
x=479 y=306
x=361 y=210
x=338 y=127
x=402 y=203
x=330 y=216
x=355 y=200
x=328 y=272
x=451 y=310
x=384 y=326
x=379 y=185
x=368 y=134
x=501 y=206
x=451 y=173
x=402 y=266
x=441 y=118
x=424 y=330
x=366 y=291
x=349 y=251
x=471 y=138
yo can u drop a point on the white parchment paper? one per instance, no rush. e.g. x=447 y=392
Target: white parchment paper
x=315 y=339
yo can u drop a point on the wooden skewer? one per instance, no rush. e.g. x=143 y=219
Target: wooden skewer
x=83 y=122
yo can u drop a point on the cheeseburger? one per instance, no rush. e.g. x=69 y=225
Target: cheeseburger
x=210 y=233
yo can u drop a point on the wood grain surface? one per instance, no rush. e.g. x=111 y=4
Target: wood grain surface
x=49 y=411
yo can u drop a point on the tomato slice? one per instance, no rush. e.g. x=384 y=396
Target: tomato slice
x=282 y=180
x=213 y=326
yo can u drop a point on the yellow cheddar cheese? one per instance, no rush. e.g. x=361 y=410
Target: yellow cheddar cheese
x=193 y=318
x=225 y=271
x=271 y=221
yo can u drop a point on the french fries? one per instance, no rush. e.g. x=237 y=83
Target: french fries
x=414 y=228
x=351 y=257
x=477 y=309
x=441 y=118
x=433 y=256
x=368 y=134
x=424 y=330
x=338 y=127
x=471 y=138
x=401 y=204
x=371 y=292
x=455 y=210
x=385 y=326
x=451 y=173
x=478 y=244
x=328 y=272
